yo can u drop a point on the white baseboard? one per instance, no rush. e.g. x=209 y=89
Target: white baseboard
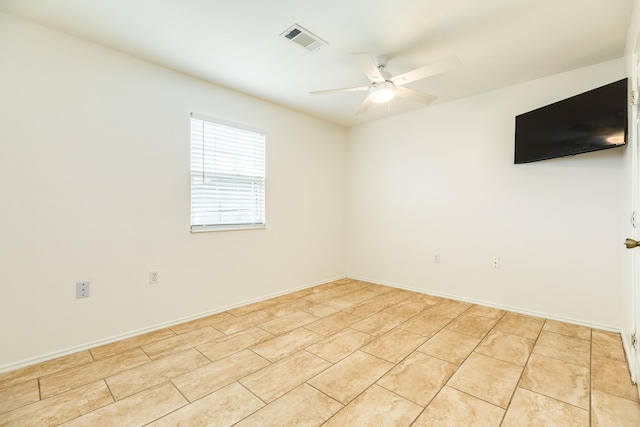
x=632 y=369
x=119 y=337
x=109 y=340
x=626 y=345
x=494 y=305
x=635 y=376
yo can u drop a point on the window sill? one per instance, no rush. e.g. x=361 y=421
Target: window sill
x=228 y=227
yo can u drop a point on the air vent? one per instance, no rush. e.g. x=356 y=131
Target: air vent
x=303 y=38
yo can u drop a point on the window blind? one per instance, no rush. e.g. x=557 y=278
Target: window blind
x=227 y=176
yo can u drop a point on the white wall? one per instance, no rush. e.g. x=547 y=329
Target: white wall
x=442 y=180
x=94 y=185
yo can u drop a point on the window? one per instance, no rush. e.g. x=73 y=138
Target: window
x=227 y=176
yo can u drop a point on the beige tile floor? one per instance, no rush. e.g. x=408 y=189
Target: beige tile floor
x=347 y=353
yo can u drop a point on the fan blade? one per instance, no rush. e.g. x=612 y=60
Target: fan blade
x=364 y=106
x=369 y=67
x=414 y=95
x=349 y=89
x=427 y=71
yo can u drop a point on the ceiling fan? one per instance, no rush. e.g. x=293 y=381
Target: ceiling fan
x=384 y=87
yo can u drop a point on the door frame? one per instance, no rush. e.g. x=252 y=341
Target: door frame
x=633 y=137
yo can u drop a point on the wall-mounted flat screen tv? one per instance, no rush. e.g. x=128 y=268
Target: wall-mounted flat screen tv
x=592 y=121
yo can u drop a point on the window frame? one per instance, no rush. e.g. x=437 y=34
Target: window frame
x=228 y=226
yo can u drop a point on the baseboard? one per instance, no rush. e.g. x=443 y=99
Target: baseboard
x=632 y=369
x=494 y=305
x=109 y=340
x=626 y=345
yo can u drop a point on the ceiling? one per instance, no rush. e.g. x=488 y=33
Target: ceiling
x=237 y=43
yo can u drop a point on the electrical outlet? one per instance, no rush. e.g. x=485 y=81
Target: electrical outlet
x=82 y=289
x=496 y=262
x=436 y=258
x=154 y=277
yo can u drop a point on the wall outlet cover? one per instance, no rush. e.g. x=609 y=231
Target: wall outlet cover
x=82 y=289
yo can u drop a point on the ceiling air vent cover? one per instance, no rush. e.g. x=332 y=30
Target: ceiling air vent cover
x=303 y=37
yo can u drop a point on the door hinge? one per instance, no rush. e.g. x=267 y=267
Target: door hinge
x=634 y=341
x=633 y=97
x=634 y=219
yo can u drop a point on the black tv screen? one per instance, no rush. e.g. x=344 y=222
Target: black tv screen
x=592 y=121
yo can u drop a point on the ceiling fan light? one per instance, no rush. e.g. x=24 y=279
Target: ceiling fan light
x=381 y=92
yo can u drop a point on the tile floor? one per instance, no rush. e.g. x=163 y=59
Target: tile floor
x=347 y=353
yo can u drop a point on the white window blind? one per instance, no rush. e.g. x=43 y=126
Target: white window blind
x=227 y=176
